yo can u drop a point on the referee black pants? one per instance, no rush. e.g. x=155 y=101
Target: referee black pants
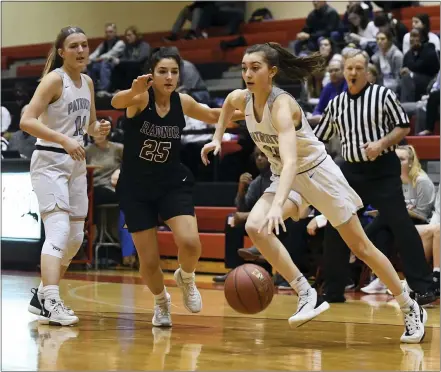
x=379 y=184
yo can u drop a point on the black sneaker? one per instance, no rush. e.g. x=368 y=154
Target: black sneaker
x=334 y=298
x=220 y=278
x=436 y=283
x=34 y=306
x=423 y=298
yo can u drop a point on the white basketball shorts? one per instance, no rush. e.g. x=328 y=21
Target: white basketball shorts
x=326 y=189
x=58 y=180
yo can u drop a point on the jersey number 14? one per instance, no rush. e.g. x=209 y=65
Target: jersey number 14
x=80 y=123
x=155 y=151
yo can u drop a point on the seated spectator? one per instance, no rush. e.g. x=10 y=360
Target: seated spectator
x=192 y=13
x=102 y=60
x=420 y=66
x=320 y=23
x=107 y=156
x=386 y=22
x=372 y=74
x=361 y=30
x=228 y=14
x=22 y=142
x=130 y=65
x=418 y=188
x=336 y=86
x=421 y=22
x=432 y=108
x=329 y=50
x=388 y=60
x=191 y=82
x=430 y=237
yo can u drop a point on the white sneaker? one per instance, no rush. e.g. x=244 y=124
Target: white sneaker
x=35 y=305
x=375 y=287
x=191 y=296
x=54 y=313
x=161 y=314
x=309 y=306
x=414 y=321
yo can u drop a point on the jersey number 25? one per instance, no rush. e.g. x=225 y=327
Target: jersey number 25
x=155 y=151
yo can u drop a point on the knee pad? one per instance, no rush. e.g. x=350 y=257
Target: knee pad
x=76 y=237
x=56 y=228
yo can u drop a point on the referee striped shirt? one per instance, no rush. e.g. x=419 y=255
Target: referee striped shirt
x=364 y=117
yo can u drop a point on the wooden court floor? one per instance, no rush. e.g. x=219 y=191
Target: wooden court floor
x=115 y=332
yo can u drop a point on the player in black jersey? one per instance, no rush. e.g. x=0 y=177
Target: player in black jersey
x=154 y=182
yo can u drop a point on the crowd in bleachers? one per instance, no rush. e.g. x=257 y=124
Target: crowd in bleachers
x=403 y=59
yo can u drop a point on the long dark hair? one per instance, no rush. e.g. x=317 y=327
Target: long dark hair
x=163 y=52
x=289 y=66
x=53 y=59
x=364 y=17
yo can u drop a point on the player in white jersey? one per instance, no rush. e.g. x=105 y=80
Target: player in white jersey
x=304 y=175
x=60 y=112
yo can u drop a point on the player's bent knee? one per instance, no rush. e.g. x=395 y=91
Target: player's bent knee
x=252 y=226
x=190 y=244
x=57 y=229
x=361 y=249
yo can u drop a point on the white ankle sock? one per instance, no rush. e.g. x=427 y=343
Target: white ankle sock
x=186 y=275
x=300 y=284
x=52 y=292
x=161 y=297
x=436 y=269
x=404 y=301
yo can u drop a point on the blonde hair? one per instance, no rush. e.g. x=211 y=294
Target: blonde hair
x=414 y=163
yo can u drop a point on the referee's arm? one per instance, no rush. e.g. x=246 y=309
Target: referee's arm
x=397 y=119
x=325 y=130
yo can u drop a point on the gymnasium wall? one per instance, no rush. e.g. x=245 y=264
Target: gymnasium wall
x=32 y=22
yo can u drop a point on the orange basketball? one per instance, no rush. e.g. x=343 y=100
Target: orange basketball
x=249 y=289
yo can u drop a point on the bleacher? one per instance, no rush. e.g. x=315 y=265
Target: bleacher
x=26 y=63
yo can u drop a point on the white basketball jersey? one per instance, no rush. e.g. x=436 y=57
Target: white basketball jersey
x=310 y=151
x=70 y=114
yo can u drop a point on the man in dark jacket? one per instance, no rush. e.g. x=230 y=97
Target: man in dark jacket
x=320 y=23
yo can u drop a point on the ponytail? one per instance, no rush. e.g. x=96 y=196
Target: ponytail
x=289 y=65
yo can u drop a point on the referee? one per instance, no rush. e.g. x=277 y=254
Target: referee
x=370 y=123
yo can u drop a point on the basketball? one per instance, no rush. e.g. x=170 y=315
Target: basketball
x=249 y=289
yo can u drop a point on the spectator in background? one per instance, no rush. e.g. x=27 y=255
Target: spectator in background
x=361 y=30
x=420 y=66
x=228 y=14
x=432 y=108
x=421 y=22
x=192 y=13
x=336 y=86
x=388 y=60
x=130 y=65
x=22 y=142
x=386 y=22
x=372 y=74
x=107 y=156
x=430 y=236
x=329 y=50
x=191 y=82
x=320 y=23
x=102 y=60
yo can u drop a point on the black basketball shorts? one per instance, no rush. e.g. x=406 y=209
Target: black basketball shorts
x=142 y=209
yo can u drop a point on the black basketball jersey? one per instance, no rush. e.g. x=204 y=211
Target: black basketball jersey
x=152 y=144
